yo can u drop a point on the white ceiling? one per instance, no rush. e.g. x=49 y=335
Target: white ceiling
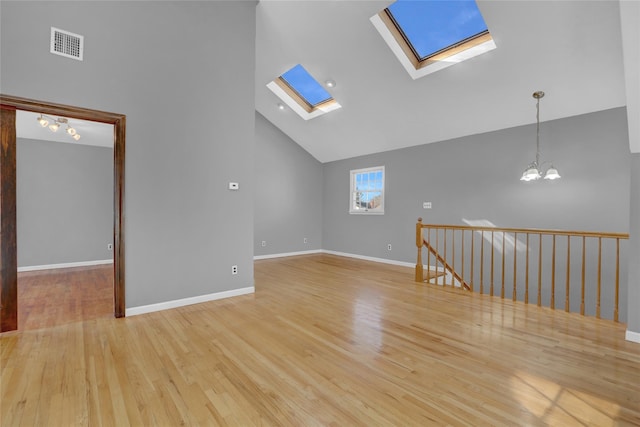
x=92 y=133
x=569 y=49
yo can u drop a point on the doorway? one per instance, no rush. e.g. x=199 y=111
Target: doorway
x=8 y=237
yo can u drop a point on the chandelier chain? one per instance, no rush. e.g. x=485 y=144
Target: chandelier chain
x=538 y=131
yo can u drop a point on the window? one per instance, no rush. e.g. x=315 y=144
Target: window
x=305 y=86
x=429 y=35
x=302 y=93
x=367 y=191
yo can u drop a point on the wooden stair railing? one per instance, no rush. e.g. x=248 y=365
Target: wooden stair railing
x=420 y=277
x=514 y=244
x=447 y=267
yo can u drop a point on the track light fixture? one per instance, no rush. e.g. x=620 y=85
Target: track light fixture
x=54 y=125
x=533 y=171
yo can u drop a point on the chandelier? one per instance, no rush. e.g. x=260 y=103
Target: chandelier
x=534 y=169
x=54 y=125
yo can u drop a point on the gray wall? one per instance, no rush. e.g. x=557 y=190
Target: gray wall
x=183 y=74
x=288 y=194
x=64 y=202
x=633 y=321
x=477 y=178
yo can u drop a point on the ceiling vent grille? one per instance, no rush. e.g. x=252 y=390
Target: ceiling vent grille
x=67 y=44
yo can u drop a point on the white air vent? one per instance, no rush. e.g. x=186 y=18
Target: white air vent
x=66 y=44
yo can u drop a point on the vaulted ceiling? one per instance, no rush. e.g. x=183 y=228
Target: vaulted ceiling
x=571 y=50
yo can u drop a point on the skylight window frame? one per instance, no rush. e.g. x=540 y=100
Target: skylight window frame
x=417 y=66
x=301 y=100
x=423 y=61
x=287 y=93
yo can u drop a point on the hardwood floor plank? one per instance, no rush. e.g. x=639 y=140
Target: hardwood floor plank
x=324 y=341
x=48 y=298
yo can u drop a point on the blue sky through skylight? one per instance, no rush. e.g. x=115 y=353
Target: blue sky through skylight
x=432 y=26
x=306 y=86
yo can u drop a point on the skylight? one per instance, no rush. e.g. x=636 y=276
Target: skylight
x=302 y=93
x=306 y=86
x=431 y=26
x=428 y=35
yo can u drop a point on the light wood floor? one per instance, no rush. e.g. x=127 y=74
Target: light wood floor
x=54 y=297
x=327 y=341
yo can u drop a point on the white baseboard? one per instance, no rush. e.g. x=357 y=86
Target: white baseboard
x=344 y=254
x=287 y=254
x=369 y=258
x=64 y=265
x=632 y=336
x=133 y=311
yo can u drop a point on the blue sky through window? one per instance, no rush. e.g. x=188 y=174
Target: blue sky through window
x=306 y=86
x=434 y=25
x=369 y=185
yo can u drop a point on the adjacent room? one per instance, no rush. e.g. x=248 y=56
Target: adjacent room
x=374 y=213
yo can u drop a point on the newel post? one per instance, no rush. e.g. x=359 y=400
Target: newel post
x=419 y=272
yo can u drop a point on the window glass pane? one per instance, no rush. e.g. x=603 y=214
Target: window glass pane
x=431 y=26
x=306 y=86
x=367 y=191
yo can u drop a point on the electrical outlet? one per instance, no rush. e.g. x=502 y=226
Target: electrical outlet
x=234 y=186
x=389 y=247
x=109 y=246
x=234 y=269
x=264 y=243
x=305 y=240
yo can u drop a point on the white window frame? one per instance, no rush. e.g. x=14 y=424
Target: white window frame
x=419 y=68
x=353 y=209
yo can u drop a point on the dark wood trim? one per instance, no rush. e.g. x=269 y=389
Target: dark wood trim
x=119 y=130
x=8 y=248
x=9 y=251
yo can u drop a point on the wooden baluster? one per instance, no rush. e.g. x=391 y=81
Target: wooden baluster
x=462 y=255
x=453 y=256
x=552 y=303
x=437 y=252
x=482 y=262
x=429 y=255
x=492 y=251
x=584 y=249
x=515 y=266
x=567 y=306
x=615 y=309
x=503 y=260
x=526 y=279
x=419 y=276
x=473 y=233
x=444 y=281
x=599 y=276
x=539 y=269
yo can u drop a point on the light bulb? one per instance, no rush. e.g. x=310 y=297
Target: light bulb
x=76 y=136
x=43 y=122
x=54 y=126
x=71 y=131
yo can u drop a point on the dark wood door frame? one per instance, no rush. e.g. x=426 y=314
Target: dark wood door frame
x=8 y=231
